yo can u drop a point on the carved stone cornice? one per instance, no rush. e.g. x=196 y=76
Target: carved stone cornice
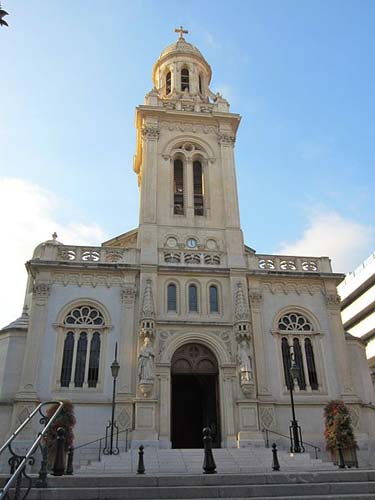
x=226 y=139
x=151 y=133
x=128 y=294
x=41 y=293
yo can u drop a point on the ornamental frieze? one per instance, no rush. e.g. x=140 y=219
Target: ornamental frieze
x=188 y=127
x=287 y=287
x=83 y=279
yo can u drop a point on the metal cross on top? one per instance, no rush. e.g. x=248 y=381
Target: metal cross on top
x=181 y=31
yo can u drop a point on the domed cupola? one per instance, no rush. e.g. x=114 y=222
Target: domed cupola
x=181 y=70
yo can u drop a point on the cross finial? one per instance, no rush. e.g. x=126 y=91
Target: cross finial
x=181 y=31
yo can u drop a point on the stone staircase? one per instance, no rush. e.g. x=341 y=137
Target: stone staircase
x=190 y=461
x=319 y=485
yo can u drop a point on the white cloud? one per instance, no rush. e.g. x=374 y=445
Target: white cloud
x=28 y=215
x=330 y=234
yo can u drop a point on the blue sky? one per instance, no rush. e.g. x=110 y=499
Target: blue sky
x=301 y=74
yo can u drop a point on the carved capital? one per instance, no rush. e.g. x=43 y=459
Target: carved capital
x=41 y=293
x=333 y=301
x=128 y=294
x=150 y=133
x=256 y=298
x=226 y=139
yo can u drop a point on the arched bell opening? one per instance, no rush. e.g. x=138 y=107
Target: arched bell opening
x=195 y=396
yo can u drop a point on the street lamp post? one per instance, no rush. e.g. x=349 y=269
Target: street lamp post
x=112 y=425
x=296 y=445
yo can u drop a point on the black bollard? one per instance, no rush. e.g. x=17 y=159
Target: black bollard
x=41 y=482
x=341 y=458
x=59 y=465
x=209 y=466
x=69 y=467
x=141 y=466
x=275 y=460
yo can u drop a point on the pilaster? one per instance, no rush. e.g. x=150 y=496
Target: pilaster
x=34 y=341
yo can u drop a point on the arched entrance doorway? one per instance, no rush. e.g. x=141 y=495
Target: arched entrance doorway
x=195 y=396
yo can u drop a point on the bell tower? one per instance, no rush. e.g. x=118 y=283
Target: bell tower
x=185 y=161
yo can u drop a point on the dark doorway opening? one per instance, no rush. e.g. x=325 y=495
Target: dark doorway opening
x=195 y=396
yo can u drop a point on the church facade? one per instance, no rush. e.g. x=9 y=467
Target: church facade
x=205 y=327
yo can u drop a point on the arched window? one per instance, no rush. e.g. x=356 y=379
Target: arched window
x=200 y=83
x=79 y=375
x=299 y=362
x=313 y=377
x=81 y=353
x=67 y=362
x=286 y=362
x=198 y=188
x=193 y=298
x=93 y=374
x=297 y=342
x=168 y=83
x=214 y=299
x=185 y=80
x=172 y=298
x=178 y=182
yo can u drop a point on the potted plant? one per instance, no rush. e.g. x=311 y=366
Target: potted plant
x=339 y=434
x=65 y=419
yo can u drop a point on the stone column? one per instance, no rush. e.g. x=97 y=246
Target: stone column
x=189 y=189
x=339 y=345
x=34 y=342
x=226 y=141
x=228 y=432
x=150 y=134
x=127 y=339
x=165 y=406
x=260 y=347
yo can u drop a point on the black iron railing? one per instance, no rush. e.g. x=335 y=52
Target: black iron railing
x=17 y=462
x=101 y=444
x=290 y=438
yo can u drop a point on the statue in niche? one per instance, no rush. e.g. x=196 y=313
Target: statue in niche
x=245 y=363
x=146 y=357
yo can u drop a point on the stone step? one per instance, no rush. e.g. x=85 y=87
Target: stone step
x=340 y=484
x=228 y=460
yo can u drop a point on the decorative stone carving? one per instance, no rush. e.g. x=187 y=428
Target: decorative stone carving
x=114 y=254
x=146 y=367
x=267 y=417
x=150 y=132
x=256 y=298
x=163 y=339
x=148 y=301
x=244 y=362
x=226 y=138
x=226 y=338
x=189 y=127
x=333 y=301
x=128 y=294
x=291 y=287
x=123 y=419
x=354 y=416
x=41 y=293
x=87 y=279
x=241 y=307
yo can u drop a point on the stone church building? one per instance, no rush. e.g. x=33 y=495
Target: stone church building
x=205 y=326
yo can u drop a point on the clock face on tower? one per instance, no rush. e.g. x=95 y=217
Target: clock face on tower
x=191 y=243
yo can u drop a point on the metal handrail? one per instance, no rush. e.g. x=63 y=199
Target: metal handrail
x=28 y=458
x=100 y=442
x=266 y=431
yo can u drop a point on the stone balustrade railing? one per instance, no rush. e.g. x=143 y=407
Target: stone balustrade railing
x=289 y=263
x=191 y=257
x=86 y=254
